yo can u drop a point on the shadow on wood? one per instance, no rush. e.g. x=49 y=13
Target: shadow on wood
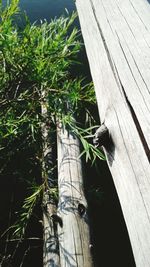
x=117 y=37
x=74 y=236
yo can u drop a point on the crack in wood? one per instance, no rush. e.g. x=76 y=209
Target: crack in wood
x=132 y=71
x=132 y=167
x=138 y=127
x=121 y=90
x=138 y=15
x=103 y=39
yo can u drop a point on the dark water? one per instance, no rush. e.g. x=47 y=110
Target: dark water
x=110 y=239
x=46 y=9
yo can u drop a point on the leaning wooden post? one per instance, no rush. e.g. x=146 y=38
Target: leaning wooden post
x=50 y=236
x=117 y=37
x=73 y=228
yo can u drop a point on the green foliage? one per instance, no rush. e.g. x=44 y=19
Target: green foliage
x=73 y=96
x=27 y=211
x=35 y=64
x=88 y=149
x=32 y=59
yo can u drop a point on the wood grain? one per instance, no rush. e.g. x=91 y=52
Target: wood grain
x=74 y=237
x=50 y=234
x=50 y=237
x=116 y=35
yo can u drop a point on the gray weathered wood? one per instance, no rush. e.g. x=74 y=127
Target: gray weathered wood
x=73 y=228
x=50 y=235
x=117 y=40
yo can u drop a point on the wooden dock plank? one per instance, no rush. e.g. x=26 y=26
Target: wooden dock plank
x=142 y=7
x=117 y=64
x=129 y=62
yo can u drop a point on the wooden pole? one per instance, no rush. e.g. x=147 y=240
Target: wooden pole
x=50 y=235
x=73 y=227
x=117 y=36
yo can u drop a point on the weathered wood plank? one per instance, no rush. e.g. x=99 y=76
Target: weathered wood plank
x=120 y=71
x=142 y=7
x=73 y=228
x=128 y=57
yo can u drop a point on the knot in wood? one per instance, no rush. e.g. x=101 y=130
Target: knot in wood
x=101 y=136
x=57 y=219
x=81 y=209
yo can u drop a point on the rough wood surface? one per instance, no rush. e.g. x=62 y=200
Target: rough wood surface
x=117 y=40
x=73 y=229
x=50 y=234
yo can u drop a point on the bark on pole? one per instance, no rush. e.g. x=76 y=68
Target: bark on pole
x=73 y=228
x=50 y=235
x=117 y=37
